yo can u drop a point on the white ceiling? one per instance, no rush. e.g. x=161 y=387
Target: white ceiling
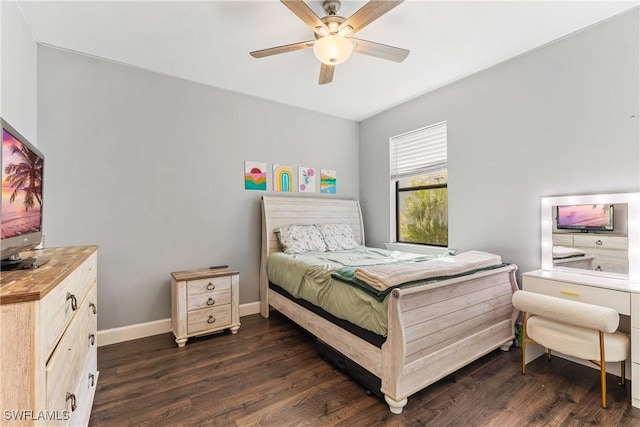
x=209 y=42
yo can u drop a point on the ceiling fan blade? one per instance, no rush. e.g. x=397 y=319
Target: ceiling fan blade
x=281 y=49
x=366 y=15
x=307 y=16
x=379 y=50
x=326 y=74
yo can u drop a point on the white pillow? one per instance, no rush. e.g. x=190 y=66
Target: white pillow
x=297 y=239
x=338 y=236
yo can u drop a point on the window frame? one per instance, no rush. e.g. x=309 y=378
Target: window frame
x=433 y=162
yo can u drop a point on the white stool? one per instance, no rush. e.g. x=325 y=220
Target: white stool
x=574 y=328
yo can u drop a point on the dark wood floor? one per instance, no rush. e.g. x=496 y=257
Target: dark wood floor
x=269 y=374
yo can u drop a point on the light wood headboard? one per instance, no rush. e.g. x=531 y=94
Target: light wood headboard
x=280 y=211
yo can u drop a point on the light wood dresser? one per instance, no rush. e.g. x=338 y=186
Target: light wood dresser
x=609 y=251
x=204 y=301
x=48 y=326
x=620 y=294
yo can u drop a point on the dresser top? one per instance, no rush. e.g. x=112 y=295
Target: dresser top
x=203 y=273
x=32 y=285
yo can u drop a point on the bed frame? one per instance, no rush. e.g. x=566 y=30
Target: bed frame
x=433 y=329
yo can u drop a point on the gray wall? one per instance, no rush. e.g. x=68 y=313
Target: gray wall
x=151 y=169
x=18 y=84
x=562 y=119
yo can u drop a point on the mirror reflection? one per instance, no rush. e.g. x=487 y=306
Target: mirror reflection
x=591 y=237
x=607 y=236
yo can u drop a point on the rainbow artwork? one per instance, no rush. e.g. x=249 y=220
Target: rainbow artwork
x=255 y=176
x=282 y=179
x=328 y=181
x=306 y=180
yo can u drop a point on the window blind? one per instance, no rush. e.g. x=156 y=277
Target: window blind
x=419 y=152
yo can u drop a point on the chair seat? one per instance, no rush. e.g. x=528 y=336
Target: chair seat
x=577 y=341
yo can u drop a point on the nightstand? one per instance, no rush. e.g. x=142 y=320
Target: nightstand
x=204 y=301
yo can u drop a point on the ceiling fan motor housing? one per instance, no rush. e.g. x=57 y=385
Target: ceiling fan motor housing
x=331 y=7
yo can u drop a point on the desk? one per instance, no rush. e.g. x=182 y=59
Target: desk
x=619 y=294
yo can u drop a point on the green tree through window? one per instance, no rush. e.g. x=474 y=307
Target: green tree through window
x=422 y=215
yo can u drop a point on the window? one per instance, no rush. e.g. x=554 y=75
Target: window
x=419 y=175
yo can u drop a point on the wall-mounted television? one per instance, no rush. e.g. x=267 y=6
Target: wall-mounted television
x=22 y=176
x=585 y=218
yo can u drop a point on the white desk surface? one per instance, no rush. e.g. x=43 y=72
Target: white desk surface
x=590 y=279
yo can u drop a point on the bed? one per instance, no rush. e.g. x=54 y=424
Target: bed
x=432 y=328
x=571 y=258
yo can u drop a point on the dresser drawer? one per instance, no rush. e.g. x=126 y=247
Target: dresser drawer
x=85 y=392
x=619 y=301
x=601 y=241
x=610 y=260
x=208 y=318
x=71 y=356
x=64 y=367
x=562 y=239
x=210 y=299
x=56 y=308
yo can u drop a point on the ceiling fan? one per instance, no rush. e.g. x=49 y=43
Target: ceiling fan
x=333 y=42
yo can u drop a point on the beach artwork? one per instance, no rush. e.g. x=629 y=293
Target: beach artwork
x=328 y=181
x=21 y=188
x=282 y=179
x=255 y=176
x=306 y=180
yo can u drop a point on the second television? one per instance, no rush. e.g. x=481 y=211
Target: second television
x=585 y=218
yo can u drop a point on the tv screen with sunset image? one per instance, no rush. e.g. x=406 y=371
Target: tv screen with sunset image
x=586 y=217
x=21 y=188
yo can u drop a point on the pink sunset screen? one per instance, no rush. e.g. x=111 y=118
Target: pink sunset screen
x=17 y=218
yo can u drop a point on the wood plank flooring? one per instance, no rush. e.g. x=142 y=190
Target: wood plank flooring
x=269 y=374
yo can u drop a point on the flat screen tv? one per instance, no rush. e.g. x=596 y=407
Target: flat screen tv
x=22 y=173
x=585 y=218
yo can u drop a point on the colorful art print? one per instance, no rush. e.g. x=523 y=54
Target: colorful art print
x=282 y=179
x=255 y=176
x=306 y=180
x=328 y=181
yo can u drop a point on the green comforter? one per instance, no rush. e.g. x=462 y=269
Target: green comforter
x=309 y=276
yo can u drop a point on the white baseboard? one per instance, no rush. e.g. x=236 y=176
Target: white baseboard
x=141 y=330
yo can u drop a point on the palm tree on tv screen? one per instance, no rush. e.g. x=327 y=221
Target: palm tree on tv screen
x=25 y=176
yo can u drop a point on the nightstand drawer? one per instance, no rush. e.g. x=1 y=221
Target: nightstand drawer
x=619 y=301
x=211 y=299
x=207 y=286
x=208 y=318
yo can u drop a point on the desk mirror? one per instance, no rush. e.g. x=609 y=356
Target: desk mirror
x=592 y=234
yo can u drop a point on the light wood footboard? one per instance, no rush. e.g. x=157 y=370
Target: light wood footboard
x=435 y=329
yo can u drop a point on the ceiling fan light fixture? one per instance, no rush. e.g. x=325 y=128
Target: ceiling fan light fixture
x=332 y=49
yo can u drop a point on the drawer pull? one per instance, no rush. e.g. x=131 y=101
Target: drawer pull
x=92 y=339
x=211 y=301
x=211 y=286
x=570 y=293
x=72 y=397
x=211 y=319
x=93 y=308
x=599 y=242
x=74 y=302
x=92 y=378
